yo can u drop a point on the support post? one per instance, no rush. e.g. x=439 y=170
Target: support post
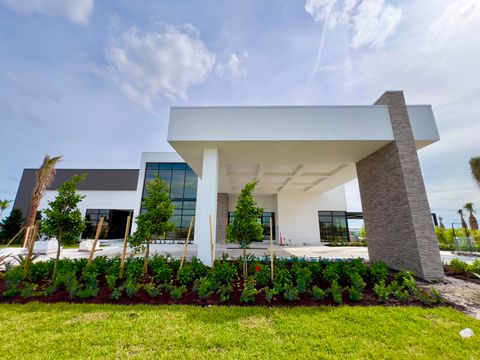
x=207 y=191
x=124 y=249
x=94 y=246
x=186 y=242
x=396 y=212
x=271 y=249
x=212 y=251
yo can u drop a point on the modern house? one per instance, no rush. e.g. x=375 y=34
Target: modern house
x=302 y=156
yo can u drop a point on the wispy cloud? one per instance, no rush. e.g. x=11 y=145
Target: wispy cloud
x=77 y=11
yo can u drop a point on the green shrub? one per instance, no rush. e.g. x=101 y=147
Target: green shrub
x=291 y=293
x=203 y=287
x=186 y=275
x=303 y=278
x=270 y=293
x=163 y=273
x=382 y=291
x=282 y=278
x=331 y=272
x=133 y=268
x=262 y=275
x=401 y=295
x=28 y=290
x=336 y=290
x=225 y=292
x=356 y=288
x=14 y=277
x=378 y=272
x=177 y=292
x=152 y=290
x=318 y=293
x=116 y=293
x=199 y=268
x=475 y=267
x=405 y=278
x=458 y=266
x=131 y=287
x=111 y=281
x=248 y=292
x=40 y=271
x=87 y=292
x=223 y=272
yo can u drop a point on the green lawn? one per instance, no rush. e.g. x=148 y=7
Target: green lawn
x=64 y=331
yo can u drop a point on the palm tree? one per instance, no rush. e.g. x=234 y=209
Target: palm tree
x=471 y=218
x=45 y=176
x=441 y=222
x=4 y=204
x=464 y=224
x=475 y=166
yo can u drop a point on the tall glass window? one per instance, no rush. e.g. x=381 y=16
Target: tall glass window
x=333 y=226
x=264 y=220
x=182 y=184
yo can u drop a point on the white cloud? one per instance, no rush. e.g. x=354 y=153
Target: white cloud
x=374 y=22
x=166 y=63
x=233 y=68
x=456 y=18
x=77 y=11
x=371 y=22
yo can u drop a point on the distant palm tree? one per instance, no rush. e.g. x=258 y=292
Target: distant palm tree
x=4 y=204
x=475 y=167
x=441 y=222
x=44 y=178
x=471 y=218
x=464 y=224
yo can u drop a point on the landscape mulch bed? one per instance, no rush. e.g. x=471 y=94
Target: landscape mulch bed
x=191 y=298
x=462 y=276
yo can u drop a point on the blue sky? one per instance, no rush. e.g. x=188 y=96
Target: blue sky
x=93 y=80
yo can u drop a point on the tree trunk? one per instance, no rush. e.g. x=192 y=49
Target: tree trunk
x=56 y=260
x=245 y=269
x=32 y=211
x=473 y=221
x=145 y=260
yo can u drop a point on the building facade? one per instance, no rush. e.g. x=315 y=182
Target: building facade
x=301 y=157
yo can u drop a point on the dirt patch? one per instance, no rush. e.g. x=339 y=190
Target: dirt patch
x=464 y=294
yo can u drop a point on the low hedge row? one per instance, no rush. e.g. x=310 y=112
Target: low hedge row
x=294 y=278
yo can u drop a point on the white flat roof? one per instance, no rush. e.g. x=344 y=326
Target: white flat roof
x=320 y=144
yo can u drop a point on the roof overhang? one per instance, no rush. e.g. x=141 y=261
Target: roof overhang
x=298 y=148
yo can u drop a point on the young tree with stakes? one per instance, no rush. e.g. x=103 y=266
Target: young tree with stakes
x=155 y=219
x=63 y=218
x=245 y=227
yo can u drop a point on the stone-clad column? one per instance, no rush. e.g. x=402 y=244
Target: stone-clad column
x=396 y=212
x=222 y=216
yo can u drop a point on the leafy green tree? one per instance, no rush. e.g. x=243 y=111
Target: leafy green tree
x=63 y=218
x=245 y=227
x=154 y=221
x=471 y=218
x=12 y=225
x=4 y=204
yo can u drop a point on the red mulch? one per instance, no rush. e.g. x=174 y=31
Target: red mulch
x=191 y=298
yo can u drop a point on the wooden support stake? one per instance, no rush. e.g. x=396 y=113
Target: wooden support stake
x=27 y=236
x=124 y=250
x=212 y=254
x=271 y=248
x=186 y=243
x=97 y=235
x=13 y=239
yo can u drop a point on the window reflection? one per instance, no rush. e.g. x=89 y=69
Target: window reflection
x=182 y=185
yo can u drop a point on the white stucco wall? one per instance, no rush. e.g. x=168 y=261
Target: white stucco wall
x=267 y=202
x=297 y=215
x=98 y=199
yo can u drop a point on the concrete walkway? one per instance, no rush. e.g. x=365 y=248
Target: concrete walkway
x=114 y=248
